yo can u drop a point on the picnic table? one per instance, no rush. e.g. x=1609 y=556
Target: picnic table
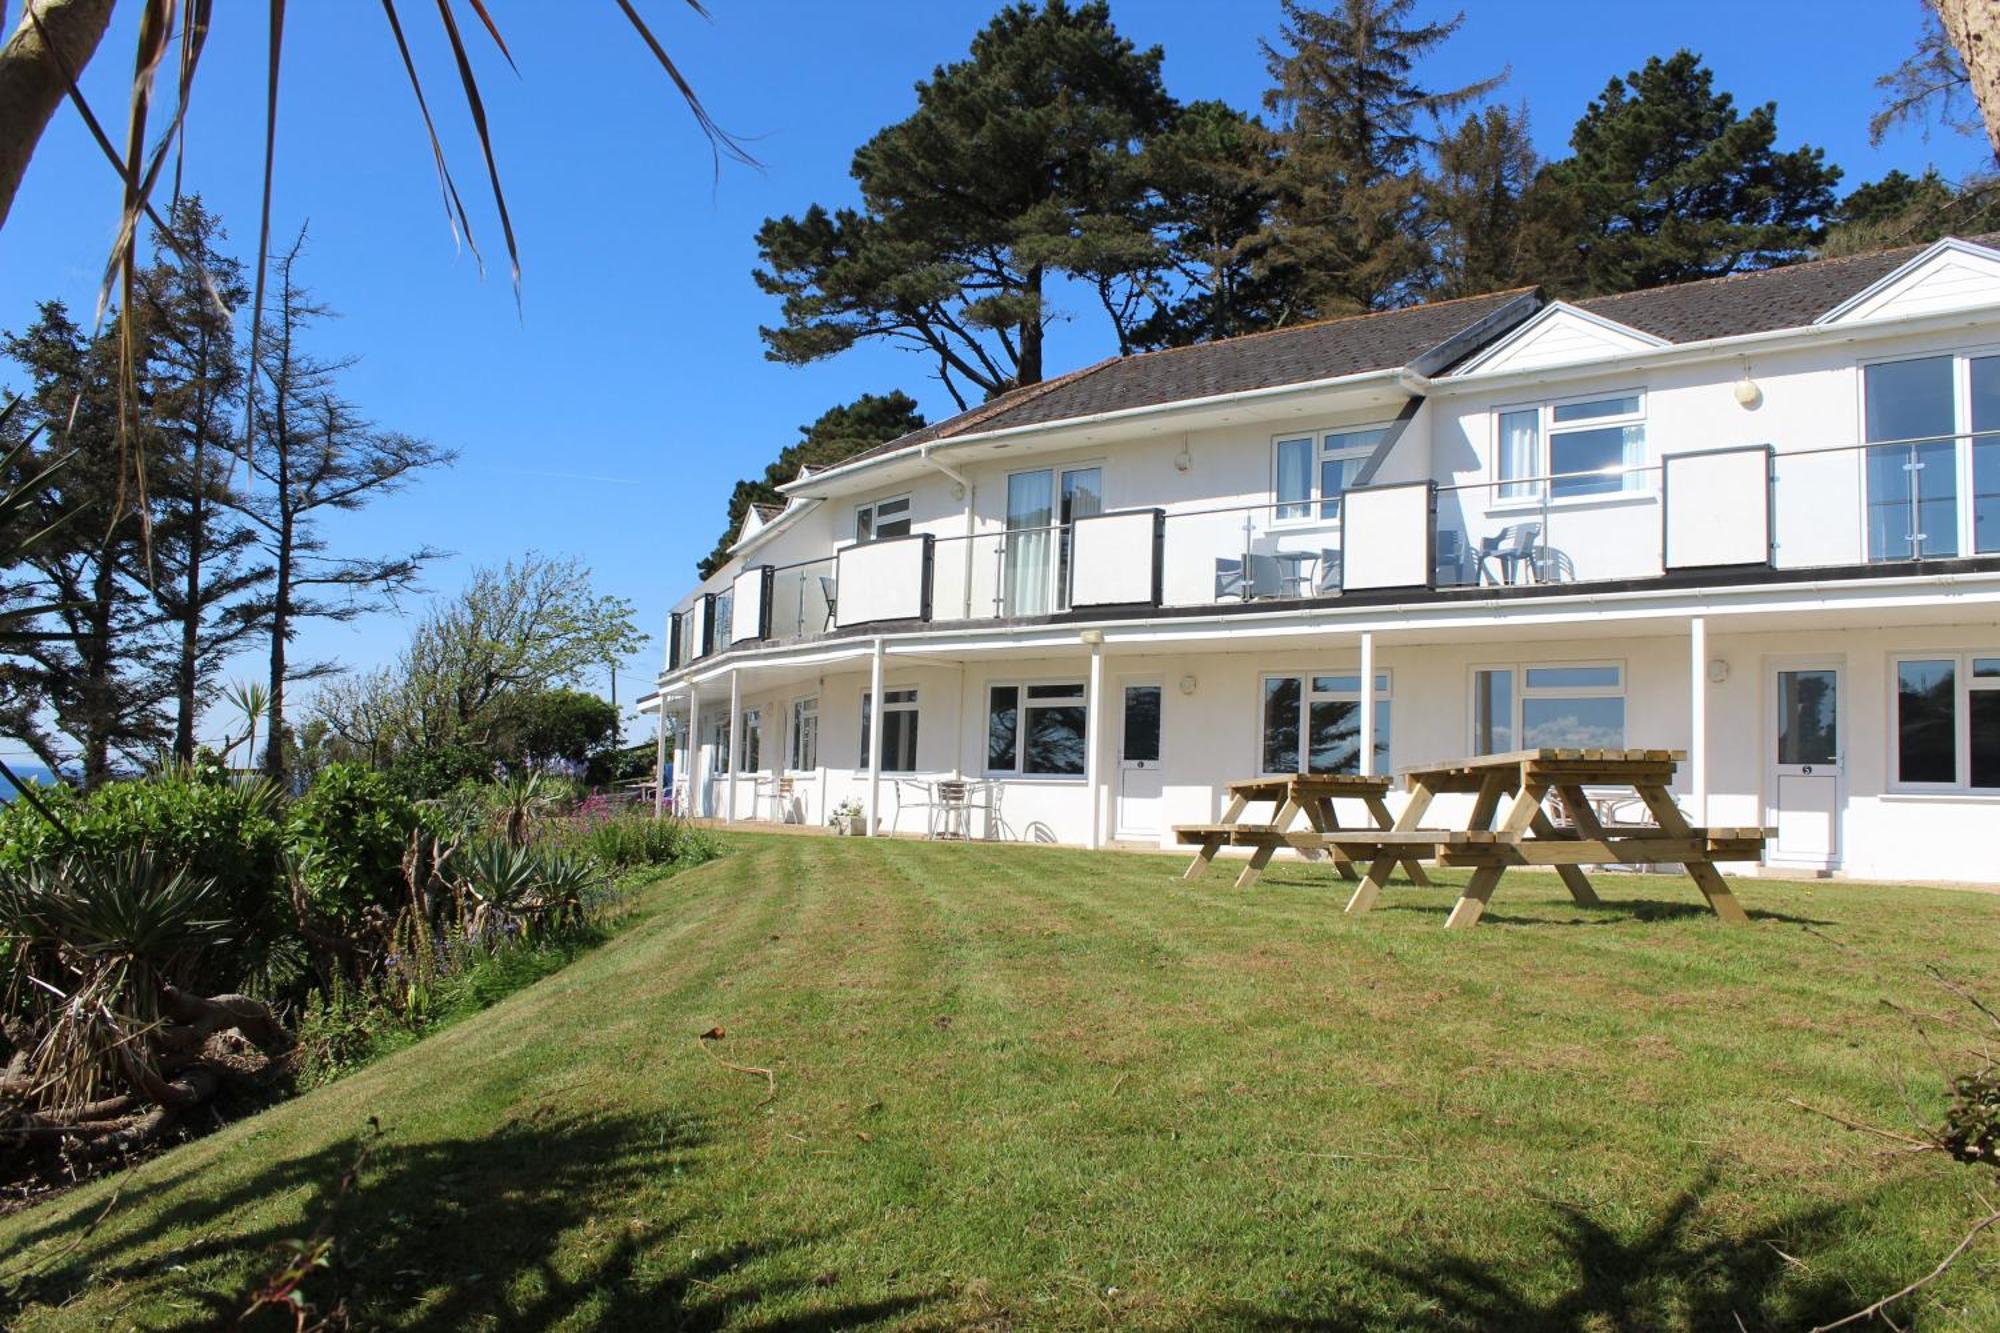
x=1312 y=794
x=1525 y=835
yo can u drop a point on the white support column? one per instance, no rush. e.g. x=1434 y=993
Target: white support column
x=735 y=750
x=660 y=761
x=1698 y=719
x=695 y=788
x=1367 y=703
x=1093 y=738
x=874 y=738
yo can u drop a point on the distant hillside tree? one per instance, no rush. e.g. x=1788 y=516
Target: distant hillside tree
x=839 y=433
x=1667 y=181
x=1498 y=222
x=1901 y=209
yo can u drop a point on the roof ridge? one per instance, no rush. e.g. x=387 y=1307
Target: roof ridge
x=1354 y=318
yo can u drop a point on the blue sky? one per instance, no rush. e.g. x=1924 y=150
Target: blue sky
x=609 y=418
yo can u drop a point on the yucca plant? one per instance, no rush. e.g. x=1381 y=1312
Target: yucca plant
x=503 y=880
x=252 y=699
x=519 y=804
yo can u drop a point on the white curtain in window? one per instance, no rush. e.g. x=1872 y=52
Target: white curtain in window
x=1030 y=510
x=1520 y=433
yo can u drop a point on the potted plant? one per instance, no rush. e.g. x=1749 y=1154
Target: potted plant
x=848 y=818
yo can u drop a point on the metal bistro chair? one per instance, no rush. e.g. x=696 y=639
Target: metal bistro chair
x=951 y=811
x=1507 y=550
x=783 y=806
x=827 y=590
x=917 y=796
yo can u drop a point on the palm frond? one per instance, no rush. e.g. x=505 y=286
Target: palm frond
x=477 y=106
x=720 y=141
x=461 y=224
x=274 y=60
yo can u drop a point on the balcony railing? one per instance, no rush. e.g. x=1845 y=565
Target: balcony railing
x=1736 y=508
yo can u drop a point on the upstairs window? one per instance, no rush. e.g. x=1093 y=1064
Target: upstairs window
x=1580 y=447
x=1312 y=472
x=880 y=519
x=1933 y=462
x=899 y=730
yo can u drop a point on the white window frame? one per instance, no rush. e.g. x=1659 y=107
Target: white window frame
x=1520 y=692
x=1963 y=446
x=1964 y=686
x=1640 y=481
x=804 y=707
x=1384 y=694
x=893 y=701
x=1022 y=707
x=749 y=728
x=873 y=510
x=1313 y=507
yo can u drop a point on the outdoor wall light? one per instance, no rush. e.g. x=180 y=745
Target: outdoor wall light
x=1718 y=670
x=1092 y=637
x=1188 y=682
x=1183 y=460
x=1747 y=392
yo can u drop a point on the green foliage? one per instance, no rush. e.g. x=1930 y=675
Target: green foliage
x=635 y=838
x=839 y=433
x=1038 y=133
x=1671 y=182
x=537 y=727
x=349 y=833
x=228 y=834
x=429 y=772
x=1972 y=1123
x=1901 y=209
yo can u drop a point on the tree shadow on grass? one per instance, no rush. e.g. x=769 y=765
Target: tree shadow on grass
x=546 y=1220
x=1671 y=1272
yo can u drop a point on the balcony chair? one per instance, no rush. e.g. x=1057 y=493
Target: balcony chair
x=1552 y=566
x=1267 y=576
x=1450 y=557
x=1229 y=579
x=1507 y=550
x=827 y=589
x=1327 y=583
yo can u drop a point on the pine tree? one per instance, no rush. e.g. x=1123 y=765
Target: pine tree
x=1351 y=224
x=1016 y=167
x=1901 y=209
x=1670 y=182
x=1498 y=223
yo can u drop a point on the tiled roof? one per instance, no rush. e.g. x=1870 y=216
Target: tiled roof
x=1323 y=350
x=767 y=512
x=1773 y=298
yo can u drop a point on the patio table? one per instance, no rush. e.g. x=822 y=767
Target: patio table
x=1312 y=794
x=1525 y=835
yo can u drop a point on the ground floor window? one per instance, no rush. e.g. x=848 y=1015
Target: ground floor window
x=753 y=740
x=1312 y=723
x=1036 y=729
x=1576 y=705
x=899 y=730
x=1948 y=721
x=803 y=755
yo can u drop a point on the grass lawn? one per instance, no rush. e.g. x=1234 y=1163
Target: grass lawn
x=1028 y=1088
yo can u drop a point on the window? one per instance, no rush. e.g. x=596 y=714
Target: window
x=802 y=756
x=1312 y=723
x=725 y=611
x=1320 y=468
x=1933 y=465
x=882 y=518
x=1584 y=447
x=753 y=740
x=1039 y=730
x=899 y=730
x=1560 y=705
x=1948 y=722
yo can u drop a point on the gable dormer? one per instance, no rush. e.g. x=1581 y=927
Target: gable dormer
x=1560 y=334
x=1950 y=275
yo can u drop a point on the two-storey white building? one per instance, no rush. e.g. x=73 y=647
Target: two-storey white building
x=1755 y=518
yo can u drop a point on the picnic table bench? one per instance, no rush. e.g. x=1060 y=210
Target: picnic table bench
x=1312 y=794
x=1524 y=834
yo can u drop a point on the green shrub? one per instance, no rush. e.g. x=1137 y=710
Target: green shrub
x=425 y=775
x=632 y=838
x=191 y=821
x=348 y=834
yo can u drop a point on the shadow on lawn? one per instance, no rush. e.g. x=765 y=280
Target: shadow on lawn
x=1672 y=1272
x=547 y=1220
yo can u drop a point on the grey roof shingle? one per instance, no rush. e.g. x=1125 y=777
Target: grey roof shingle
x=1769 y=299
x=1354 y=345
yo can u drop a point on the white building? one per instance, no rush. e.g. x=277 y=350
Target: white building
x=1756 y=519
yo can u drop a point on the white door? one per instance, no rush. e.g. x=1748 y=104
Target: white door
x=1805 y=751
x=715 y=768
x=1139 y=780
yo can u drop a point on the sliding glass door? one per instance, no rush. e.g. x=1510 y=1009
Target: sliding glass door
x=1041 y=507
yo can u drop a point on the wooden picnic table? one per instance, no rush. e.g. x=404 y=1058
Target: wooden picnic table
x=1525 y=835
x=1310 y=793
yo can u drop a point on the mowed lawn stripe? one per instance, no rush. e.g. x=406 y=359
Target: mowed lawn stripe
x=1045 y=1088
